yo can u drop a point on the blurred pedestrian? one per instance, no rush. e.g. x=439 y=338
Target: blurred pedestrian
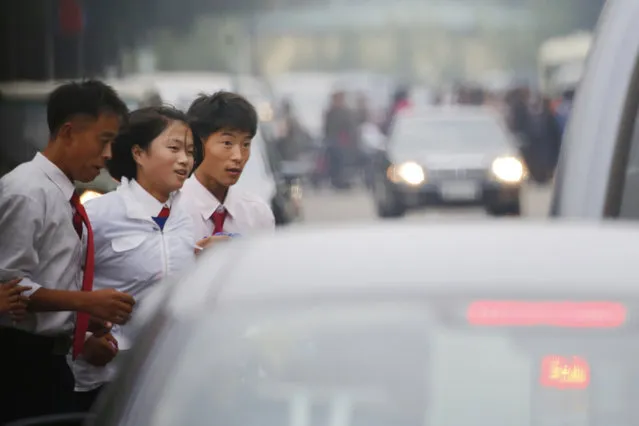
x=47 y=242
x=399 y=103
x=544 y=139
x=142 y=234
x=341 y=139
x=225 y=123
x=362 y=110
x=516 y=101
x=373 y=141
x=294 y=140
x=564 y=109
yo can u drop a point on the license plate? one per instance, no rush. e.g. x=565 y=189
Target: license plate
x=459 y=191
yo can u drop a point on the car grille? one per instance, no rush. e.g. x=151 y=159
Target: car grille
x=457 y=174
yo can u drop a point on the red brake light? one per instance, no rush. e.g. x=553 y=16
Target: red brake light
x=563 y=373
x=553 y=314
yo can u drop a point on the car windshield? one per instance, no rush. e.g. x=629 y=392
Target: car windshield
x=449 y=134
x=406 y=362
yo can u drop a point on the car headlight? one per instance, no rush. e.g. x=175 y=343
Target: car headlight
x=508 y=169
x=89 y=195
x=410 y=173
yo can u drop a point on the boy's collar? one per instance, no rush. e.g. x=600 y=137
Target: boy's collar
x=208 y=203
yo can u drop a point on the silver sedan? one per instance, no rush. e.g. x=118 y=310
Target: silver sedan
x=448 y=155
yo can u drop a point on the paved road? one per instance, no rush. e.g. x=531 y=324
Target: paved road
x=325 y=206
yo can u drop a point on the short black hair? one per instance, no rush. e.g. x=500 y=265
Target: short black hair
x=222 y=110
x=141 y=128
x=88 y=97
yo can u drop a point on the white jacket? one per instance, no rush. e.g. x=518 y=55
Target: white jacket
x=132 y=255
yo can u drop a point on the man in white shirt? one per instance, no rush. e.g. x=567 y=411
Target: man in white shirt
x=225 y=123
x=47 y=242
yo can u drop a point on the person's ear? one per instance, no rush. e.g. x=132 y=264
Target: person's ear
x=65 y=132
x=137 y=153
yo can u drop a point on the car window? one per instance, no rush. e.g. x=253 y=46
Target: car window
x=162 y=326
x=450 y=133
x=115 y=400
x=406 y=362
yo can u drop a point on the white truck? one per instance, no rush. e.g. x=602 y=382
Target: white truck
x=561 y=62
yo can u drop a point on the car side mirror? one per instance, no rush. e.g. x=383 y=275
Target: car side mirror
x=70 y=419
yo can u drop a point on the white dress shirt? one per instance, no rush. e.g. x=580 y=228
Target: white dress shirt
x=246 y=213
x=132 y=255
x=39 y=242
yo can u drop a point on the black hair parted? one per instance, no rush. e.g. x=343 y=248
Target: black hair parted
x=88 y=97
x=142 y=127
x=209 y=114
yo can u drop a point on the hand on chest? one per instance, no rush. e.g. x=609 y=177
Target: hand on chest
x=143 y=255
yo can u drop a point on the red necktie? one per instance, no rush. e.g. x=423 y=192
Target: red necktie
x=82 y=318
x=77 y=222
x=164 y=213
x=218 y=218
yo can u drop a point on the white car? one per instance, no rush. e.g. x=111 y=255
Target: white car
x=448 y=155
x=264 y=176
x=501 y=324
x=598 y=174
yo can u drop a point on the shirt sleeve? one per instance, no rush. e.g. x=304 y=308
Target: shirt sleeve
x=20 y=222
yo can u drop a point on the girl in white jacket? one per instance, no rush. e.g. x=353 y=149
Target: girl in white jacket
x=141 y=234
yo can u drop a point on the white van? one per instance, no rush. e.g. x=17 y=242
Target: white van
x=561 y=62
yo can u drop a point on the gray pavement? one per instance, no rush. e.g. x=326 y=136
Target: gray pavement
x=327 y=206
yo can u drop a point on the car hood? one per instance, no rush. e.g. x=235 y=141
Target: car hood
x=450 y=159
